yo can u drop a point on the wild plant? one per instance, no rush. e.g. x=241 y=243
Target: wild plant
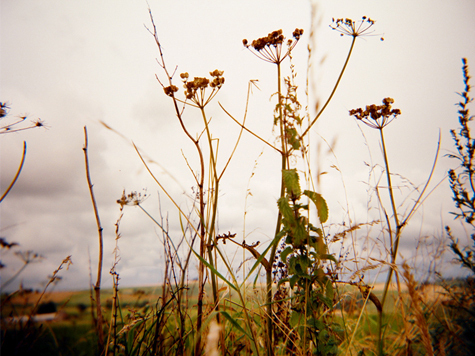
x=304 y=248
x=378 y=117
x=462 y=183
x=455 y=331
x=97 y=317
x=297 y=319
x=304 y=251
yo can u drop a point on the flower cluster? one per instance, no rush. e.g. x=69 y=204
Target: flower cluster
x=377 y=116
x=4 y=108
x=170 y=90
x=133 y=198
x=195 y=89
x=352 y=28
x=218 y=80
x=275 y=38
x=269 y=48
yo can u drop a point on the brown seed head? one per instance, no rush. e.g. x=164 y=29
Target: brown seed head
x=170 y=90
x=377 y=116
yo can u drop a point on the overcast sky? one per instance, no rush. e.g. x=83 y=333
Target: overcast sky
x=77 y=63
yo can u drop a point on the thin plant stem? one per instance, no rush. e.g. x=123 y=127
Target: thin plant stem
x=23 y=156
x=394 y=247
x=97 y=286
x=269 y=323
x=251 y=132
x=334 y=88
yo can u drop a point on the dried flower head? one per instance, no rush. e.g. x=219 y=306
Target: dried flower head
x=377 y=116
x=4 y=108
x=39 y=123
x=133 y=198
x=352 y=28
x=170 y=90
x=269 y=48
x=195 y=89
x=13 y=124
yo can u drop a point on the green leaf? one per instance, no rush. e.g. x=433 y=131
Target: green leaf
x=320 y=203
x=285 y=209
x=316 y=324
x=283 y=280
x=303 y=262
x=283 y=255
x=215 y=271
x=328 y=257
x=329 y=290
x=299 y=233
x=293 y=280
x=327 y=301
x=291 y=182
x=234 y=322
x=296 y=318
x=292 y=138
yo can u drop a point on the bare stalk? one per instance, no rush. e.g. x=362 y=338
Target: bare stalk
x=17 y=173
x=97 y=286
x=334 y=88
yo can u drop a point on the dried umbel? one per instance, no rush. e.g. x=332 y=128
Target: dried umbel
x=11 y=125
x=170 y=90
x=195 y=89
x=133 y=198
x=377 y=116
x=352 y=28
x=269 y=48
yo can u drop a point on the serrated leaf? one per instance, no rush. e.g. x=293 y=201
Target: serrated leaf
x=285 y=253
x=285 y=209
x=320 y=203
x=291 y=182
x=299 y=234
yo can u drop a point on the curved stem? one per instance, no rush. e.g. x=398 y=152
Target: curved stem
x=17 y=173
x=334 y=88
